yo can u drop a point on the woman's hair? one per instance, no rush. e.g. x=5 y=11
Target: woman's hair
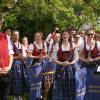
x=56 y=34
x=7 y=29
x=39 y=33
x=25 y=37
x=89 y=31
x=15 y=31
x=76 y=34
x=61 y=39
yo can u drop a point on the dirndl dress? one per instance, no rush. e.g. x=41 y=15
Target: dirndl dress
x=35 y=81
x=17 y=78
x=80 y=75
x=92 y=83
x=64 y=84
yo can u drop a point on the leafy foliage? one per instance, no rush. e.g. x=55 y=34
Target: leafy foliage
x=30 y=16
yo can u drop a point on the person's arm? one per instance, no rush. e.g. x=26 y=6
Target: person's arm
x=10 y=51
x=48 y=38
x=8 y=68
x=24 y=54
x=30 y=51
x=98 y=47
x=58 y=62
x=75 y=59
x=33 y=57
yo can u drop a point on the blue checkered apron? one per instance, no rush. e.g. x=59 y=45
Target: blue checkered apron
x=80 y=75
x=64 y=84
x=35 y=81
x=17 y=78
x=49 y=66
x=28 y=62
x=93 y=84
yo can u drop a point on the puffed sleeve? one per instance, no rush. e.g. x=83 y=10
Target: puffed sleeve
x=48 y=37
x=23 y=51
x=31 y=48
x=10 y=47
x=76 y=55
x=81 y=47
x=98 y=45
x=45 y=45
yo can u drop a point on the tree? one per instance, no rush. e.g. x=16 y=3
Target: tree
x=30 y=16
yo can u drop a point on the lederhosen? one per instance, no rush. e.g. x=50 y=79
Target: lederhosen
x=35 y=75
x=92 y=79
x=64 y=81
x=17 y=73
x=4 y=62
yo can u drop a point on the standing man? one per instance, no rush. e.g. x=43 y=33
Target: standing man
x=6 y=59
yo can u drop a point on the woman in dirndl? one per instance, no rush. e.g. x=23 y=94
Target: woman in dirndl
x=27 y=63
x=50 y=37
x=90 y=56
x=52 y=52
x=80 y=73
x=64 y=81
x=37 y=51
x=50 y=65
x=17 y=71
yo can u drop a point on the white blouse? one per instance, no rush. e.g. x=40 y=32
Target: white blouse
x=10 y=47
x=88 y=48
x=54 y=48
x=39 y=46
x=20 y=46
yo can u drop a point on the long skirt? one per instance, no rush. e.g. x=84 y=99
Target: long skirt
x=93 y=84
x=80 y=75
x=17 y=78
x=80 y=83
x=64 y=84
x=35 y=82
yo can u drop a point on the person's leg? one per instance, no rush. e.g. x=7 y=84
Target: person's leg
x=3 y=97
x=17 y=98
x=4 y=90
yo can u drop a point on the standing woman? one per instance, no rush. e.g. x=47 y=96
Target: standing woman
x=90 y=56
x=27 y=61
x=64 y=82
x=51 y=66
x=38 y=52
x=26 y=46
x=52 y=51
x=17 y=71
x=25 y=43
x=80 y=73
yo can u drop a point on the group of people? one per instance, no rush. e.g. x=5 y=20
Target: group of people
x=75 y=59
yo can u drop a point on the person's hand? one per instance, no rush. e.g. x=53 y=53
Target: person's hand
x=5 y=70
x=88 y=60
x=66 y=63
x=1 y=71
x=41 y=57
x=21 y=57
